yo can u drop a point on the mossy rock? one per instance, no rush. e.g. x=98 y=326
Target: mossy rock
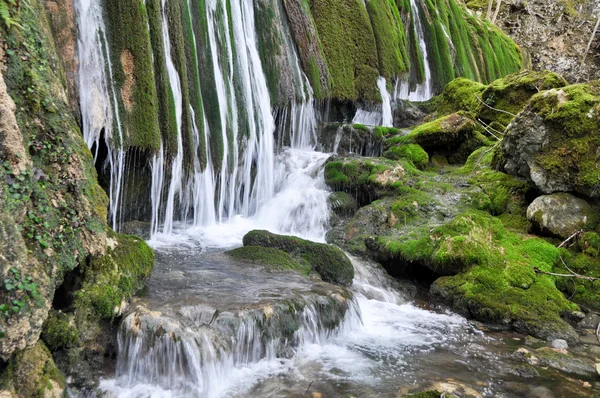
x=111 y=280
x=562 y=215
x=411 y=152
x=497 y=103
x=269 y=257
x=329 y=261
x=367 y=179
x=426 y=394
x=554 y=142
x=585 y=262
x=454 y=136
x=343 y=204
x=59 y=331
x=32 y=373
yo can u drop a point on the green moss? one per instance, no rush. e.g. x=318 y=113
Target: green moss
x=581 y=291
x=329 y=261
x=59 y=333
x=32 y=373
x=389 y=36
x=494 y=272
x=426 y=394
x=572 y=115
x=269 y=257
x=342 y=203
x=133 y=72
x=411 y=152
x=497 y=103
x=115 y=277
x=454 y=136
x=349 y=46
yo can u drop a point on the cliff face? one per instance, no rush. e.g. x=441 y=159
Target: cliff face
x=554 y=34
x=53 y=212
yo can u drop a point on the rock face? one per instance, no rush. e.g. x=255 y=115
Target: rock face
x=329 y=261
x=555 y=141
x=555 y=34
x=560 y=214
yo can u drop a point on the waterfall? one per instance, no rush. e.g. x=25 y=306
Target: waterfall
x=386 y=105
x=424 y=90
x=177 y=164
x=98 y=100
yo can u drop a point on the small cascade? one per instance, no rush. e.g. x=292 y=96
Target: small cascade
x=422 y=91
x=378 y=117
x=387 y=119
x=203 y=351
x=98 y=102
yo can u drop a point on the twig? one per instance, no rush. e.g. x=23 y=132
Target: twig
x=495 y=109
x=569 y=238
x=588 y=278
x=598 y=333
x=483 y=155
x=590 y=42
x=489 y=129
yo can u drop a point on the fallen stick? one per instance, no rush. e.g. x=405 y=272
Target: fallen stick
x=573 y=275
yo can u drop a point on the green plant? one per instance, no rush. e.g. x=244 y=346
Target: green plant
x=5 y=14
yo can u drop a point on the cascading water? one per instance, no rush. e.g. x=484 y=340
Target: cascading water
x=377 y=118
x=177 y=165
x=422 y=91
x=98 y=101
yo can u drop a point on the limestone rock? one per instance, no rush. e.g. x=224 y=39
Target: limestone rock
x=560 y=214
x=554 y=142
x=560 y=344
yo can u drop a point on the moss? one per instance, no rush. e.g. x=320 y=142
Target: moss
x=329 y=261
x=349 y=46
x=342 y=203
x=32 y=373
x=58 y=332
x=508 y=96
x=571 y=114
x=411 y=152
x=389 y=36
x=454 y=136
x=115 y=277
x=367 y=178
x=583 y=292
x=426 y=394
x=133 y=73
x=269 y=257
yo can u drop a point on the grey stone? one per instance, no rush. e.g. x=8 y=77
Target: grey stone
x=559 y=214
x=560 y=344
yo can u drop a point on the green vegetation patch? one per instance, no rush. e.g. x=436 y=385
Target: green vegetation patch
x=329 y=261
x=112 y=279
x=269 y=257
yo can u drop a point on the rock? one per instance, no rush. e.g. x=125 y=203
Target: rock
x=560 y=344
x=554 y=141
x=32 y=371
x=357 y=139
x=329 y=261
x=598 y=369
x=343 y=204
x=137 y=228
x=561 y=360
x=533 y=342
x=453 y=136
x=268 y=257
x=560 y=214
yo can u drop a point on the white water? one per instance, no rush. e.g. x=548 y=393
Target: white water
x=177 y=164
x=375 y=118
x=386 y=105
x=98 y=100
x=423 y=91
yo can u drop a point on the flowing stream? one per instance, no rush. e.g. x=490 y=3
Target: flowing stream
x=209 y=326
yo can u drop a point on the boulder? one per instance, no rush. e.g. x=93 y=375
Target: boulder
x=329 y=261
x=560 y=214
x=454 y=136
x=555 y=141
